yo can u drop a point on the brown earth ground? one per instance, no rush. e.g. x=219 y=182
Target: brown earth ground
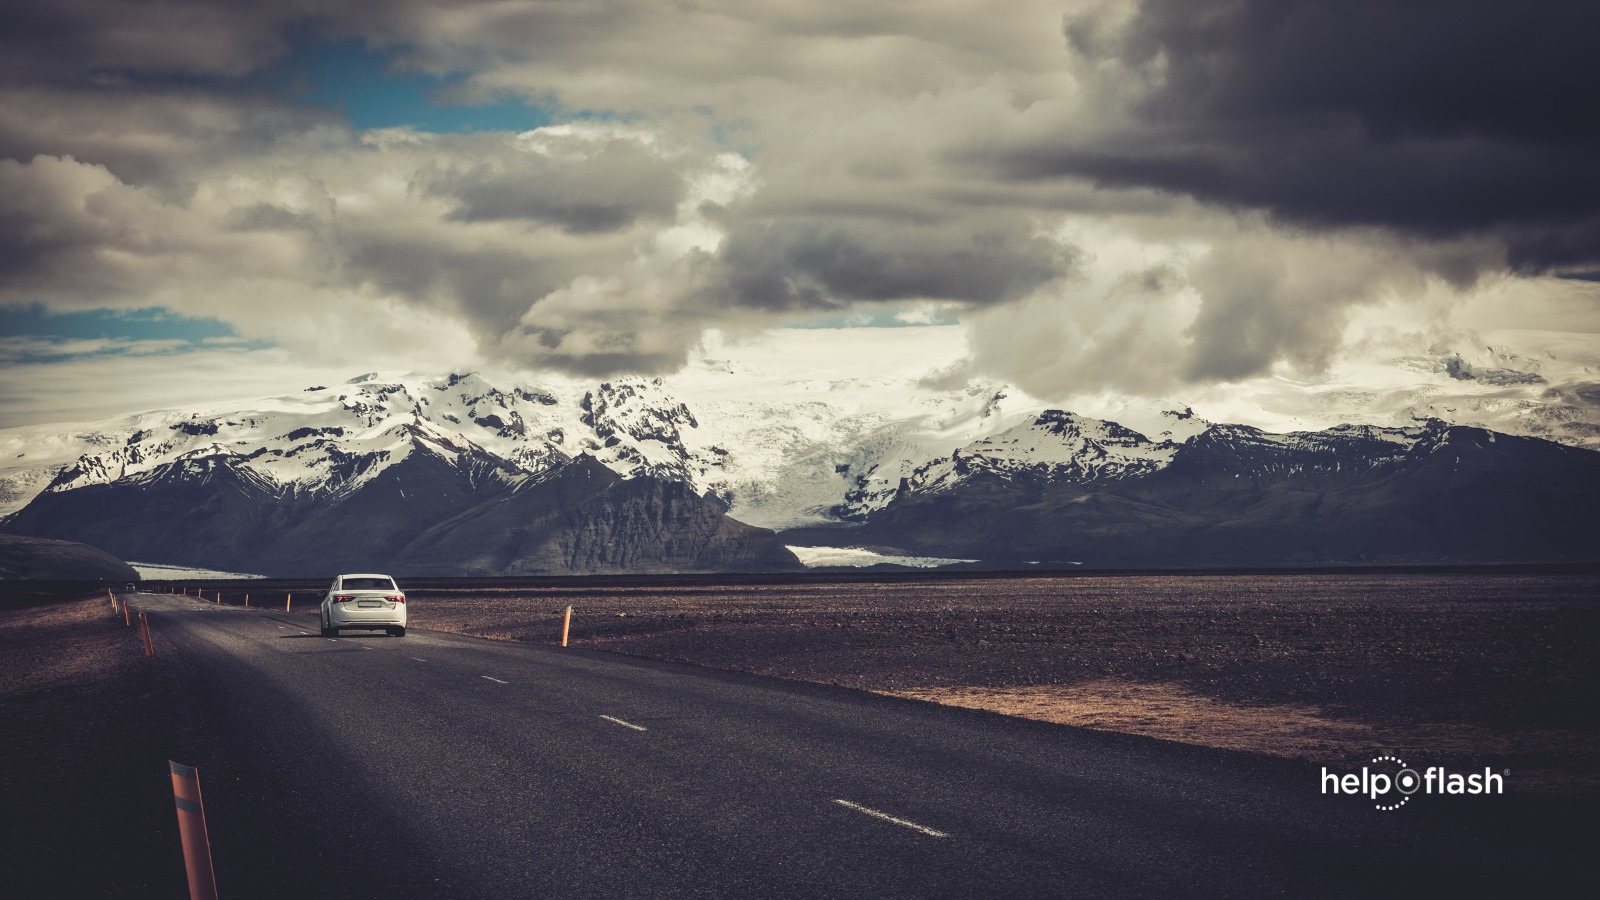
x=86 y=726
x=1462 y=670
x=1455 y=669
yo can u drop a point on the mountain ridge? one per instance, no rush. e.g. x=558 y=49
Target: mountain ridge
x=376 y=464
x=1236 y=496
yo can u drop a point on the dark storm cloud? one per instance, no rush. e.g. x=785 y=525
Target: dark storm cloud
x=1280 y=164
x=806 y=263
x=67 y=41
x=1439 y=118
x=150 y=136
x=601 y=191
x=488 y=287
x=152 y=153
x=152 y=90
x=61 y=230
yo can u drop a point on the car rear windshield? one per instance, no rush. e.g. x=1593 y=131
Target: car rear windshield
x=366 y=584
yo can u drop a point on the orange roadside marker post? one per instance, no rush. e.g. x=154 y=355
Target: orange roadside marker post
x=566 y=625
x=192 y=828
x=126 y=621
x=144 y=628
x=246 y=599
x=288 y=598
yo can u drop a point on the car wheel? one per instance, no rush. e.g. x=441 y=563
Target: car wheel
x=329 y=632
x=398 y=631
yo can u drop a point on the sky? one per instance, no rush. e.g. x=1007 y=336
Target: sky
x=212 y=198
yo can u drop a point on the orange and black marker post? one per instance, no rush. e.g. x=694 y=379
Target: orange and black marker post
x=192 y=828
x=144 y=628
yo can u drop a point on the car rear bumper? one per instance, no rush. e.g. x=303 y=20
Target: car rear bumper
x=376 y=618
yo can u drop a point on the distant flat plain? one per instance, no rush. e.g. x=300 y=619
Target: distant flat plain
x=1462 y=668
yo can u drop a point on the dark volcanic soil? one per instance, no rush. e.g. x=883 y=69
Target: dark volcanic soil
x=1457 y=668
x=86 y=726
x=1460 y=670
x=1452 y=669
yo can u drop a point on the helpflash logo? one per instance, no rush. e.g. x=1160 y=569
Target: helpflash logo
x=1393 y=776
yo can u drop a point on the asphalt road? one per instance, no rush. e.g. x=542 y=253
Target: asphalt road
x=437 y=765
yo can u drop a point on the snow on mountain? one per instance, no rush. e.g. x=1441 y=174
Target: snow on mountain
x=1066 y=448
x=1052 y=444
x=1055 y=444
x=1178 y=426
x=792 y=463
x=774 y=459
x=805 y=430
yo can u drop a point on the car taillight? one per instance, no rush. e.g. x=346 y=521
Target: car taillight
x=397 y=598
x=342 y=598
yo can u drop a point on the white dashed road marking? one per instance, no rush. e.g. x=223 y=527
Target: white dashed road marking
x=495 y=680
x=888 y=818
x=625 y=724
x=419 y=659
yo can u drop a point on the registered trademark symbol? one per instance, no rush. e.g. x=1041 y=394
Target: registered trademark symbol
x=1505 y=772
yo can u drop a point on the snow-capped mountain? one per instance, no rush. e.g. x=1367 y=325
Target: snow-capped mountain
x=1236 y=495
x=878 y=456
x=417 y=453
x=1055 y=444
x=774 y=463
x=417 y=505
x=334 y=439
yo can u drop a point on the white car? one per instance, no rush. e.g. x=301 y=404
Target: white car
x=364 y=601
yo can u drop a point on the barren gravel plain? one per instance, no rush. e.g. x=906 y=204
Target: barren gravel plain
x=1461 y=668
x=1458 y=669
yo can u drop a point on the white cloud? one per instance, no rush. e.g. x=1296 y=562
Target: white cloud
x=91 y=387
x=854 y=160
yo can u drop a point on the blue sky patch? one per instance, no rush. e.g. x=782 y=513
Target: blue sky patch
x=371 y=92
x=38 y=335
